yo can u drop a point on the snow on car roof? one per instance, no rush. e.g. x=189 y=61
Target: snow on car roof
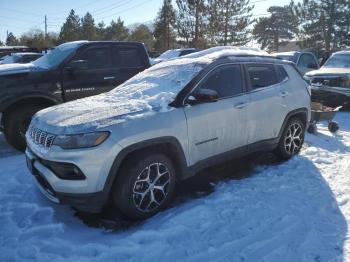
x=12 y=47
x=291 y=53
x=220 y=51
x=343 y=52
x=70 y=45
x=26 y=53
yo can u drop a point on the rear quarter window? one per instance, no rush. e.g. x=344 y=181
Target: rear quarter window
x=281 y=73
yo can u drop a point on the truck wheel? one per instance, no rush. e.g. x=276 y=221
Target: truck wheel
x=16 y=124
x=292 y=139
x=145 y=185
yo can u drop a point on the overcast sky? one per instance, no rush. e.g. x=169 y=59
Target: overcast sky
x=19 y=16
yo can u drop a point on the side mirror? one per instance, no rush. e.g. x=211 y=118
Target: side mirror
x=312 y=66
x=203 y=96
x=77 y=65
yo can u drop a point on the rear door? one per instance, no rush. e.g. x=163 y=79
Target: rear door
x=265 y=110
x=128 y=60
x=218 y=127
x=97 y=78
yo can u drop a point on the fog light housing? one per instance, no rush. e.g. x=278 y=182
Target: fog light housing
x=65 y=171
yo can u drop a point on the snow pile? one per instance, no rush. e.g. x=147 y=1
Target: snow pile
x=295 y=211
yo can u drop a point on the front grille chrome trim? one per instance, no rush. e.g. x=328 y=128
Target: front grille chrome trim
x=41 y=137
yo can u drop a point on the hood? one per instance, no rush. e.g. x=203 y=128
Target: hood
x=8 y=69
x=89 y=114
x=329 y=71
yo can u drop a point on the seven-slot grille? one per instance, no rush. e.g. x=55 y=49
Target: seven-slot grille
x=40 y=137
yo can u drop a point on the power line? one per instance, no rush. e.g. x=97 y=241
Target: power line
x=18 y=19
x=127 y=9
x=110 y=7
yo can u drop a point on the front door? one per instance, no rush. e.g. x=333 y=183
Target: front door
x=98 y=77
x=218 y=127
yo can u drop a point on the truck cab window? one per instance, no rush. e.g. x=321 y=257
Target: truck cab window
x=97 y=58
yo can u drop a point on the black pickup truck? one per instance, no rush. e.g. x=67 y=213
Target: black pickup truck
x=70 y=71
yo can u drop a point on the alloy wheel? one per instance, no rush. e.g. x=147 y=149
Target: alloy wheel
x=151 y=187
x=293 y=139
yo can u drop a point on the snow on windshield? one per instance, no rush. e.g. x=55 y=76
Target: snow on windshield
x=56 y=56
x=168 y=77
x=338 y=60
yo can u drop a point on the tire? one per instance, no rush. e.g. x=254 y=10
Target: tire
x=333 y=126
x=312 y=128
x=16 y=123
x=134 y=187
x=289 y=144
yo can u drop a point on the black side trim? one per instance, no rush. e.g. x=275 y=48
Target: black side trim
x=206 y=141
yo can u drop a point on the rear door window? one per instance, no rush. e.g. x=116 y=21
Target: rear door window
x=97 y=57
x=261 y=75
x=128 y=57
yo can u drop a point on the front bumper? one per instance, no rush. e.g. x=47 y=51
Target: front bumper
x=91 y=202
x=331 y=96
x=89 y=194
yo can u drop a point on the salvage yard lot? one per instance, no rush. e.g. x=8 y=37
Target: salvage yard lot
x=294 y=211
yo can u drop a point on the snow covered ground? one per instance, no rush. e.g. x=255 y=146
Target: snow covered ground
x=293 y=211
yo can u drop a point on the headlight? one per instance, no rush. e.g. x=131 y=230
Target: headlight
x=81 y=140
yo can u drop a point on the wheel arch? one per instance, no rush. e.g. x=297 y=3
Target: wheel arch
x=169 y=146
x=301 y=113
x=46 y=101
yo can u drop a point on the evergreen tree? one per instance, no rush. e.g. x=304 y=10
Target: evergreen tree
x=71 y=29
x=192 y=21
x=88 y=29
x=100 y=30
x=11 y=39
x=324 y=23
x=143 y=34
x=36 y=38
x=116 y=31
x=280 y=25
x=229 y=21
x=1 y=43
x=164 y=27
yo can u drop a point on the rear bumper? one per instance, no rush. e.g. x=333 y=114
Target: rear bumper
x=88 y=202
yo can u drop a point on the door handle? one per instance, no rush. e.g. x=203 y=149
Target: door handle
x=284 y=93
x=109 y=78
x=240 y=105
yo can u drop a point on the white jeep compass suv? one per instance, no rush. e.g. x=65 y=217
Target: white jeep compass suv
x=132 y=144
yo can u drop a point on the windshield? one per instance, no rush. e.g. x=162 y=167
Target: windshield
x=169 y=77
x=169 y=54
x=54 y=57
x=338 y=60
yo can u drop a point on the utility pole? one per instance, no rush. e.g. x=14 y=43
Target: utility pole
x=45 y=26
